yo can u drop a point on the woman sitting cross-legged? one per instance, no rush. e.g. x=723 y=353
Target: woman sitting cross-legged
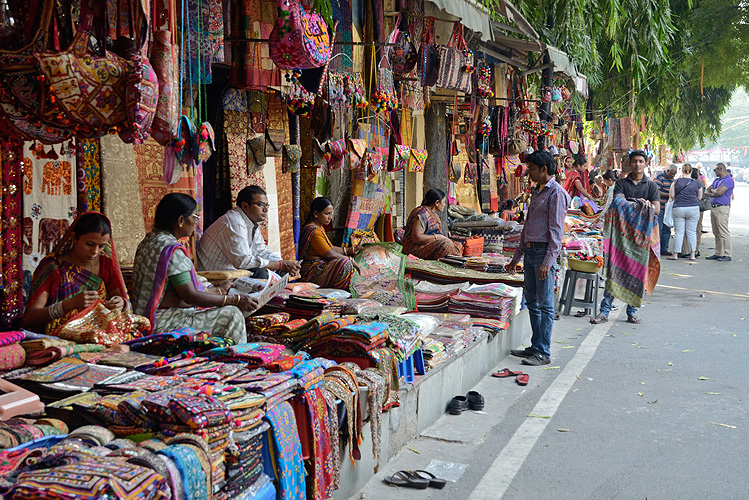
x=166 y=288
x=423 y=236
x=322 y=263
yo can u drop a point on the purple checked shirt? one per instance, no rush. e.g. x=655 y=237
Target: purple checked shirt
x=545 y=222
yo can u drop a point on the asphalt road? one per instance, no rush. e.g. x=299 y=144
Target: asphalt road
x=652 y=411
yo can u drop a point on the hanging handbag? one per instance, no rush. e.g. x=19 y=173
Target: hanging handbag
x=429 y=55
x=357 y=149
x=141 y=94
x=402 y=54
x=417 y=160
x=26 y=105
x=206 y=142
x=298 y=40
x=292 y=155
x=335 y=151
x=704 y=202
x=164 y=62
x=402 y=155
x=184 y=145
x=456 y=63
x=517 y=143
x=255 y=153
x=90 y=88
x=274 y=140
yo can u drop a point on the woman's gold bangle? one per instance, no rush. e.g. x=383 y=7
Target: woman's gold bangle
x=224 y=303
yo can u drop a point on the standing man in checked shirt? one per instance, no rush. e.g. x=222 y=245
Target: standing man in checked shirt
x=540 y=244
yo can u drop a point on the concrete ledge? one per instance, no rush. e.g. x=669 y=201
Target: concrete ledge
x=425 y=401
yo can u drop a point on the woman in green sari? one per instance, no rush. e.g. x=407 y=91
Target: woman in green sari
x=166 y=288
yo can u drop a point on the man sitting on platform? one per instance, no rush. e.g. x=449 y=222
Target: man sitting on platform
x=234 y=241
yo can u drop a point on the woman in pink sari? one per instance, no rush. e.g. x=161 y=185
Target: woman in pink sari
x=81 y=269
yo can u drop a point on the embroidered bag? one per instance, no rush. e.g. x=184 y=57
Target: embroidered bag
x=402 y=53
x=298 y=40
x=382 y=156
x=335 y=151
x=184 y=147
x=429 y=55
x=274 y=139
x=97 y=324
x=357 y=150
x=417 y=160
x=206 y=142
x=456 y=63
x=26 y=103
x=164 y=62
x=255 y=153
x=141 y=94
x=198 y=412
x=90 y=88
x=402 y=155
x=292 y=154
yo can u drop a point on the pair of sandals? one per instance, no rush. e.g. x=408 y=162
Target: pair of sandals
x=418 y=479
x=603 y=319
x=520 y=377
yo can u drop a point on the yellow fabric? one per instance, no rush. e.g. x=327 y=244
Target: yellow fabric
x=320 y=244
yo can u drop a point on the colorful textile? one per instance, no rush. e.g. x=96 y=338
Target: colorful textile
x=11 y=260
x=288 y=453
x=12 y=356
x=49 y=200
x=160 y=256
x=367 y=203
x=92 y=479
x=251 y=66
x=387 y=364
x=257 y=324
x=149 y=163
x=342 y=384
x=382 y=272
x=628 y=253
x=313 y=243
x=441 y=273
x=7 y=338
x=120 y=197
x=431 y=225
x=322 y=478
x=191 y=471
x=92 y=169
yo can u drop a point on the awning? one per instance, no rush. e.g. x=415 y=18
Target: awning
x=473 y=16
x=561 y=63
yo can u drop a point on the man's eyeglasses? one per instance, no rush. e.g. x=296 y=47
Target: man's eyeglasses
x=263 y=206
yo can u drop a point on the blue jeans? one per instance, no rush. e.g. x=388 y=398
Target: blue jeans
x=608 y=299
x=539 y=297
x=665 y=231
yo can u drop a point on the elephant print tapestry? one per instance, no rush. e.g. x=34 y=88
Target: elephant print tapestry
x=49 y=201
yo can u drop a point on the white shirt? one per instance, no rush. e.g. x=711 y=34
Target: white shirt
x=233 y=242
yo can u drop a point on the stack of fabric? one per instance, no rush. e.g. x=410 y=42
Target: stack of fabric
x=403 y=335
x=307 y=307
x=481 y=305
x=493 y=326
x=354 y=340
x=434 y=352
x=433 y=302
x=244 y=463
x=477 y=263
x=455 y=261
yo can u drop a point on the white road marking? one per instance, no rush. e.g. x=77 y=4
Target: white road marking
x=498 y=478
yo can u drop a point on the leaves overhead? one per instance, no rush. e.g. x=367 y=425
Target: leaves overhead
x=646 y=57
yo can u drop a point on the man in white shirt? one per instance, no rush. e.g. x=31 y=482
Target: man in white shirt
x=234 y=241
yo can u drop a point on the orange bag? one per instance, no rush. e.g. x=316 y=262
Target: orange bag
x=474 y=246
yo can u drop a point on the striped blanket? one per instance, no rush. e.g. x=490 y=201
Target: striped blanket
x=631 y=241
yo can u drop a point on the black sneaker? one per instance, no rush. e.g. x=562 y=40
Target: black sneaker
x=537 y=360
x=713 y=257
x=725 y=258
x=523 y=353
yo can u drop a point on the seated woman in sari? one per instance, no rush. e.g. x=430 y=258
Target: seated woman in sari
x=423 y=236
x=81 y=269
x=322 y=263
x=577 y=182
x=165 y=286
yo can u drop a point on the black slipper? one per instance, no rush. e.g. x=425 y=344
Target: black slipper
x=405 y=479
x=434 y=481
x=580 y=314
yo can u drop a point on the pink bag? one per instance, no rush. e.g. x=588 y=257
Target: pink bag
x=164 y=64
x=299 y=40
x=141 y=99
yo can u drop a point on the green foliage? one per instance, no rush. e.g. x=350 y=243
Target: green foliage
x=645 y=57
